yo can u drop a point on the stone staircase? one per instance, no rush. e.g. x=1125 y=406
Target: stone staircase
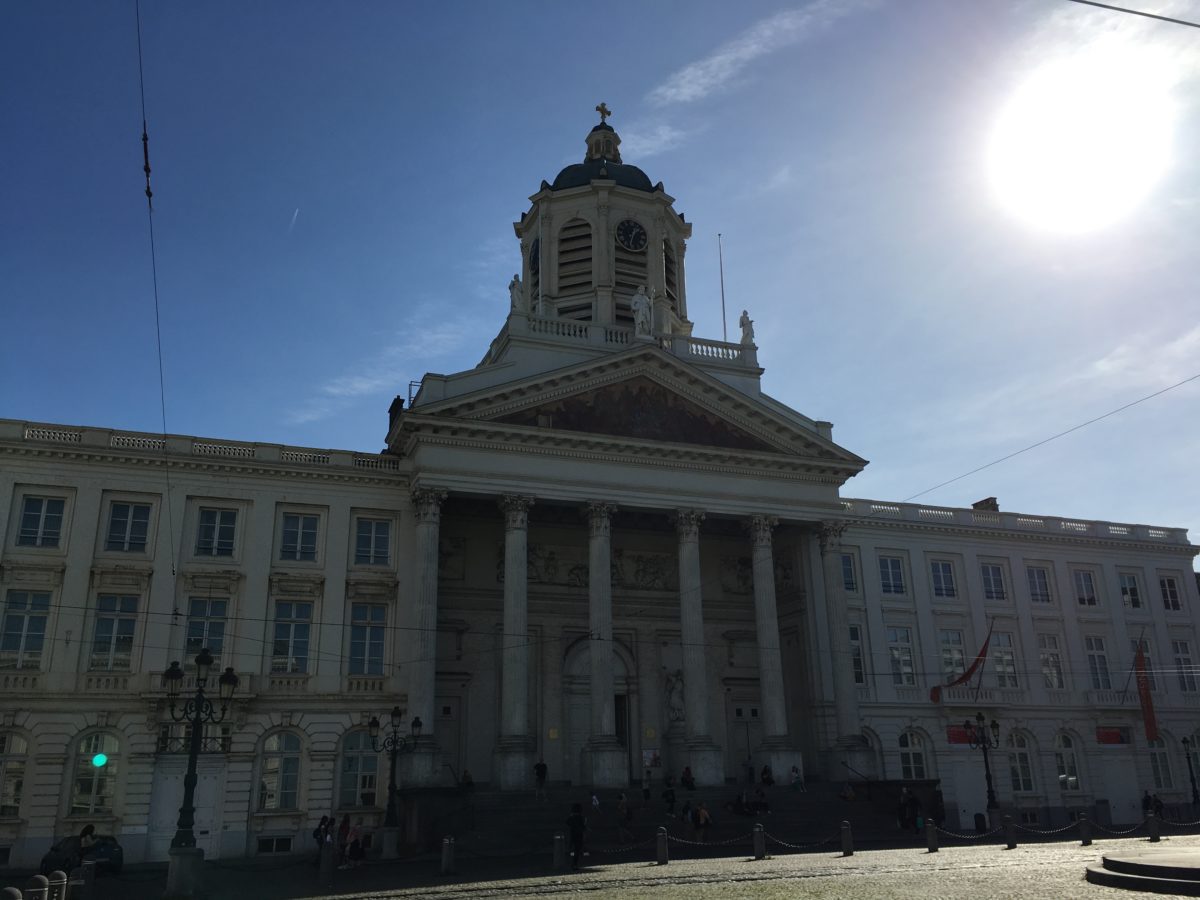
x=1163 y=872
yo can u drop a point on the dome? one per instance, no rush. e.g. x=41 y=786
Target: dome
x=582 y=174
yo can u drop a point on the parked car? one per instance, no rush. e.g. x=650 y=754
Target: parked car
x=65 y=855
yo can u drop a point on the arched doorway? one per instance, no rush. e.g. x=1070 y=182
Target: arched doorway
x=577 y=712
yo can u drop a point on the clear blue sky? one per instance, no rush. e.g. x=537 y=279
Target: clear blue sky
x=335 y=186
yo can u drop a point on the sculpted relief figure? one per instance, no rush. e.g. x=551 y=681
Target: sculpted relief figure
x=515 y=294
x=747 y=327
x=675 y=695
x=641 y=312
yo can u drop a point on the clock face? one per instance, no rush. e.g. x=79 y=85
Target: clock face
x=535 y=255
x=631 y=235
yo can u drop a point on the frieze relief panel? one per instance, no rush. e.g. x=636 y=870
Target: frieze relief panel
x=567 y=566
x=737 y=575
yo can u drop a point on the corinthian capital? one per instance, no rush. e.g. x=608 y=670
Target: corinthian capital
x=830 y=535
x=599 y=515
x=760 y=528
x=427 y=505
x=516 y=510
x=687 y=522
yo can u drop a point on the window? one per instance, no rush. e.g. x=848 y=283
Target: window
x=176 y=737
x=849 y=579
x=1066 y=763
x=289 y=652
x=1097 y=662
x=942 y=573
x=1019 y=766
x=206 y=626
x=127 y=526
x=891 y=575
x=1052 y=672
x=912 y=756
x=274 y=845
x=215 y=535
x=1130 y=595
x=360 y=771
x=299 y=538
x=41 y=522
x=12 y=773
x=1170 y=592
x=953 y=658
x=373 y=542
x=856 y=655
x=24 y=629
x=95 y=781
x=1004 y=660
x=1039 y=583
x=1085 y=588
x=901 y=654
x=112 y=637
x=1183 y=665
x=279 y=783
x=1160 y=765
x=993 y=581
x=367 y=622
x=1146 y=654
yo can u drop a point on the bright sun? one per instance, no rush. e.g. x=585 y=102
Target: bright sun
x=1083 y=141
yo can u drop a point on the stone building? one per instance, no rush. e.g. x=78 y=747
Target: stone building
x=603 y=546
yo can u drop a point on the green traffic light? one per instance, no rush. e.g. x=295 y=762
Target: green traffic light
x=100 y=760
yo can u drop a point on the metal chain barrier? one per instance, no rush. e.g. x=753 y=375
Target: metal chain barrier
x=736 y=840
x=783 y=843
x=1117 y=833
x=969 y=837
x=1168 y=823
x=649 y=842
x=1066 y=827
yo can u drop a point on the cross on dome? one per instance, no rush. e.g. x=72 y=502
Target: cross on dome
x=604 y=111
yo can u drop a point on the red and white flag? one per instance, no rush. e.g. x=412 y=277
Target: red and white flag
x=1143 y=689
x=935 y=692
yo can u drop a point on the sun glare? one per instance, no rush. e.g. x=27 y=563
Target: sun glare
x=1083 y=141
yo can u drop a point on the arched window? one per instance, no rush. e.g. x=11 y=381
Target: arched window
x=95 y=781
x=1019 y=764
x=1160 y=765
x=1066 y=762
x=912 y=756
x=279 y=783
x=359 y=773
x=12 y=773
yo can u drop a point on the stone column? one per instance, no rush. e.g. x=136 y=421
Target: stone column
x=704 y=756
x=607 y=759
x=420 y=765
x=776 y=748
x=850 y=745
x=513 y=763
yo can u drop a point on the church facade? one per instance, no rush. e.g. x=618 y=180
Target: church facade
x=602 y=547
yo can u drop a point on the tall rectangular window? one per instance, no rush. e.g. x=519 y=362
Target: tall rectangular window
x=891 y=575
x=1039 y=583
x=1169 y=588
x=1131 y=596
x=1097 y=662
x=127 y=525
x=941 y=573
x=993 y=581
x=1146 y=655
x=1004 y=659
x=24 y=630
x=856 y=655
x=206 y=626
x=900 y=652
x=367 y=630
x=289 y=650
x=372 y=542
x=112 y=637
x=1182 y=651
x=849 y=579
x=41 y=522
x=1085 y=587
x=954 y=658
x=299 y=538
x=214 y=536
x=1051 y=659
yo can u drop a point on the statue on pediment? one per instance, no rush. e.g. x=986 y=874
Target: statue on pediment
x=640 y=304
x=516 y=295
x=747 y=327
x=675 y=695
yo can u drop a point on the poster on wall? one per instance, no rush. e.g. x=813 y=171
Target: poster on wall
x=650 y=758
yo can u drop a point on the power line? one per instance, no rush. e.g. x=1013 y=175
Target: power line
x=1137 y=12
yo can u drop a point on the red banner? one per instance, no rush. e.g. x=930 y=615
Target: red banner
x=935 y=692
x=1112 y=735
x=1143 y=687
x=957 y=734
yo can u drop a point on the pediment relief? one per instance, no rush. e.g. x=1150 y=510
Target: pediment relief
x=638 y=408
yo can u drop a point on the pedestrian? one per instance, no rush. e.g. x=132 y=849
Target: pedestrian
x=319 y=832
x=1147 y=804
x=539 y=779
x=913 y=815
x=687 y=779
x=466 y=781
x=343 y=839
x=703 y=822
x=1158 y=805
x=686 y=817
x=356 y=851
x=646 y=786
x=668 y=796
x=902 y=810
x=576 y=826
x=595 y=802
x=797 y=779
x=767 y=777
x=624 y=818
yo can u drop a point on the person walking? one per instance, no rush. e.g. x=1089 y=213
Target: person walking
x=646 y=786
x=624 y=818
x=539 y=779
x=668 y=796
x=703 y=823
x=343 y=839
x=576 y=826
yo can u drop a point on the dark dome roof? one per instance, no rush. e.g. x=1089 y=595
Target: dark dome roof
x=582 y=174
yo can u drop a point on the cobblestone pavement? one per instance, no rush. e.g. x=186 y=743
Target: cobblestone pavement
x=1030 y=871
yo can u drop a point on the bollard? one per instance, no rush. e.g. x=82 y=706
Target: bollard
x=448 y=855
x=58 y=885
x=10 y=893
x=662 y=845
x=37 y=887
x=1010 y=833
x=847 y=840
x=760 y=842
x=931 y=837
x=1153 y=824
x=560 y=851
x=325 y=858
x=1085 y=831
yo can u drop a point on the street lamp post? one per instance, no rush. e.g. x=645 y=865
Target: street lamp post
x=394 y=743
x=183 y=876
x=1187 y=753
x=979 y=738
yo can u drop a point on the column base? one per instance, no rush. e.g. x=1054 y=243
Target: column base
x=512 y=764
x=777 y=753
x=390 y=841
x=422 y=767
x=607 y=762
x=185 y=873
x=707 y=761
